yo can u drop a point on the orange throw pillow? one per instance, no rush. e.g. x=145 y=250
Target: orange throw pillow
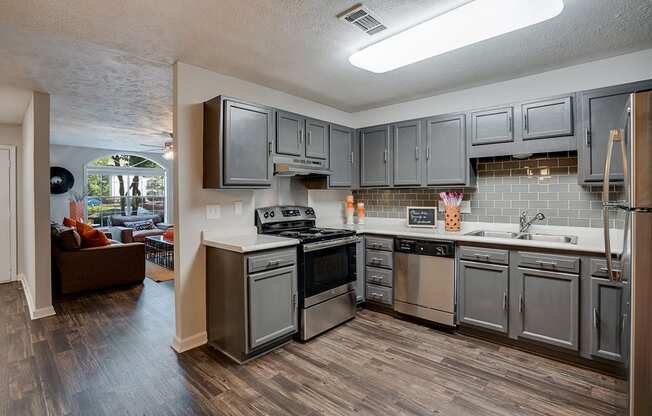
x=169 y=234
x=69 y=222
x=92 y=237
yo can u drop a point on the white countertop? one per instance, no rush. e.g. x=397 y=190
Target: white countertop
x=247 y=242
x=589 y=240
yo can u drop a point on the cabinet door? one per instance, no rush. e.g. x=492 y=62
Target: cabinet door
x=608 y=314
x=547 y=118
x=407 y=153
x=341 y=157
x=483 y=295
x=548 y=304
x=316 y=139
x=374 y=147
x=495 y=125
x=289 y=134
x=272 y=305
x=247 y=144
x=446 y=162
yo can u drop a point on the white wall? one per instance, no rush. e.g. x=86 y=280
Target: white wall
x=75 y=158
x=193 y=86
x=612 y=71
x=11 y=134
x=35 y=206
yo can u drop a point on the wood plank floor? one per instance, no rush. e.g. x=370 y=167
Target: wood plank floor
x=109 y=354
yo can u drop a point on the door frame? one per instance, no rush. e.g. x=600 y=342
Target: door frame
x=12 y=211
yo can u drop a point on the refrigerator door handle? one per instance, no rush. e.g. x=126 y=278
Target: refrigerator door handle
x=615 y=135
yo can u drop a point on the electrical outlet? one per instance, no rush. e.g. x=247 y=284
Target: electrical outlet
x=237 y=207
x=213 y=212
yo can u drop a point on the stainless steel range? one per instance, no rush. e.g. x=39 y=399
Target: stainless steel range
x=327 y=266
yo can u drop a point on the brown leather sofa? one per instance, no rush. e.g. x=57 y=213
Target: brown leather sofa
x=84 y=269
x=128 y=235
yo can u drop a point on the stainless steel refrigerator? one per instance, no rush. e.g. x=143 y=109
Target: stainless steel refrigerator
x=633 y=143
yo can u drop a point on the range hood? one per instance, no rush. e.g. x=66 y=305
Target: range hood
x=289 y=166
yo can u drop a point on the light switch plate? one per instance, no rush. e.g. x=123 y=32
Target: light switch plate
x=213 y=212
x=237 y=207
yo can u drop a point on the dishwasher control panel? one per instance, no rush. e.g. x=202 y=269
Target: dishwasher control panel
x=425 y=247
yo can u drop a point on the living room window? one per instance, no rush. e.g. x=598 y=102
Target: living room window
x=124 y=184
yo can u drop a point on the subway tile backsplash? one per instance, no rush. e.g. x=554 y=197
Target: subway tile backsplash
x=506 y=186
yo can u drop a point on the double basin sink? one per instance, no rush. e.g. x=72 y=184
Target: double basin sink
x=551 y=238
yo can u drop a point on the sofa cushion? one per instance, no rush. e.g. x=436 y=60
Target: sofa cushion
x=141 y=225
x=120 y=220
x=92 y=237
x=140 y=235
x=69 y=222
x=66 y=238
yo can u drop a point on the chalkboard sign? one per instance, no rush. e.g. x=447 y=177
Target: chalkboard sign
x=425 y=217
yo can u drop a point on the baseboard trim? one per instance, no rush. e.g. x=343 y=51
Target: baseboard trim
x=34 y=313
x=183 y=345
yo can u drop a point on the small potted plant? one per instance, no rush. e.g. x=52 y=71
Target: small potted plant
x=77 y=205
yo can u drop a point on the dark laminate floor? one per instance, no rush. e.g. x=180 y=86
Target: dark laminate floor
x=109 y=354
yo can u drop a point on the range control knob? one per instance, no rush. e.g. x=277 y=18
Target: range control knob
x=266 y=214
x=310 y=211
x=271 y=214
x=440 y=251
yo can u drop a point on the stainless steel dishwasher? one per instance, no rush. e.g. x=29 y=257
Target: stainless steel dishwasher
x=425 y=279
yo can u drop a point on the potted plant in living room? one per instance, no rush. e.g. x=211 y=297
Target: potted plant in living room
x=77 y=205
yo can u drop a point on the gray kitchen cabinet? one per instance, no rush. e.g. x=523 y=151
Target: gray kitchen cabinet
x=407 y=153
x=289 y=134
x=548 y=307
x=609 y=316
x=379 y=270
x=342 y=157
x=547 y=118
x=446 y=161
x=237 y=144
x=272 y=305
x=316 y=139
x=360 y=270
x=494 y=125
x=374 y=156
x=483 y=295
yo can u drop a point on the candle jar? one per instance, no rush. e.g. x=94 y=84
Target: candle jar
x=452 y=217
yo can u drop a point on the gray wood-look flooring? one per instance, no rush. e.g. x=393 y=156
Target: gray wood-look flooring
x=108 y=354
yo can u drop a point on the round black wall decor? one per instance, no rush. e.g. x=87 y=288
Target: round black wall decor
x=61 y=180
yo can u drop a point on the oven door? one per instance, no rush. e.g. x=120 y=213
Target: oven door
x=329 y=269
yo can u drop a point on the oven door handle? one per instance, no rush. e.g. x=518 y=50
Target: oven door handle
x=328 y=244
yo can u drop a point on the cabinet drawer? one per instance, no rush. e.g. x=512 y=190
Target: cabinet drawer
x=379 y=243
x=553 y=262
x=376 y=276
x=271 y=260
x=380 y=258
x=485 y=255
x=599 y=268
x=380 y=294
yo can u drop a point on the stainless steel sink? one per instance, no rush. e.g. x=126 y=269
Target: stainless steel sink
x=492 y=234
x=552 y=238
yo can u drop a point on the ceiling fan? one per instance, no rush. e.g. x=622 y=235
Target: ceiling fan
x=167 y=148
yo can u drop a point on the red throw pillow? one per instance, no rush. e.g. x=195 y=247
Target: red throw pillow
x=169 y=234
x=69 y=222
x=92 y=237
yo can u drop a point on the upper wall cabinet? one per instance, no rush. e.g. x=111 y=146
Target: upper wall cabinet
x=374 y=156
x=602 y=110
x=299 y=136
x=316 y=139
x=547 y=118
x=342 y=157
x=537 y=126
x=407 y=153
x=446 y=161
x=237 y=144
x=495 y=125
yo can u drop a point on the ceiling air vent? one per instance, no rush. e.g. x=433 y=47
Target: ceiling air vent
x=362 y=18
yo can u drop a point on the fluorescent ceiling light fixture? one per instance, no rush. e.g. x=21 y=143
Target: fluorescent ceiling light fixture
x=471 y=23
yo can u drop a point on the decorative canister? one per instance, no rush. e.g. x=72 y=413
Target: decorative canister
x=453 y=218
x=361 y=213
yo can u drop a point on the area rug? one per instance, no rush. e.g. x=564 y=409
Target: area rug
x=157 y=273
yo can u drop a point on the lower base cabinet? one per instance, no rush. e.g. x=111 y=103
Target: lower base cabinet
x=483 y=295
x=548 y=307
x=609 y=306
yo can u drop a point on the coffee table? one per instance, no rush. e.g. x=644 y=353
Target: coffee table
x=160 y=251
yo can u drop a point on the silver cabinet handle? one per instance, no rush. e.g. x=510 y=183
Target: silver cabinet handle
x=273 y=263
x=546 y=263
x=427 y=153
x=509 y=123
x=615 y=135
x=527 y=125
x=504 y=300
x=351 y=158
x=269 y=147
x=309 y=137
x=520 y=304
x=624 y=323
x=376 y=261
x=596 y=318
x=587 y=137
x=385 y=155
x=416 y=153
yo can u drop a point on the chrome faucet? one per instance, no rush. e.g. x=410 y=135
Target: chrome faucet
x=524 y=223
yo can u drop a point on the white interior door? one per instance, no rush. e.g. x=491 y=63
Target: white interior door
x=6 y=224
